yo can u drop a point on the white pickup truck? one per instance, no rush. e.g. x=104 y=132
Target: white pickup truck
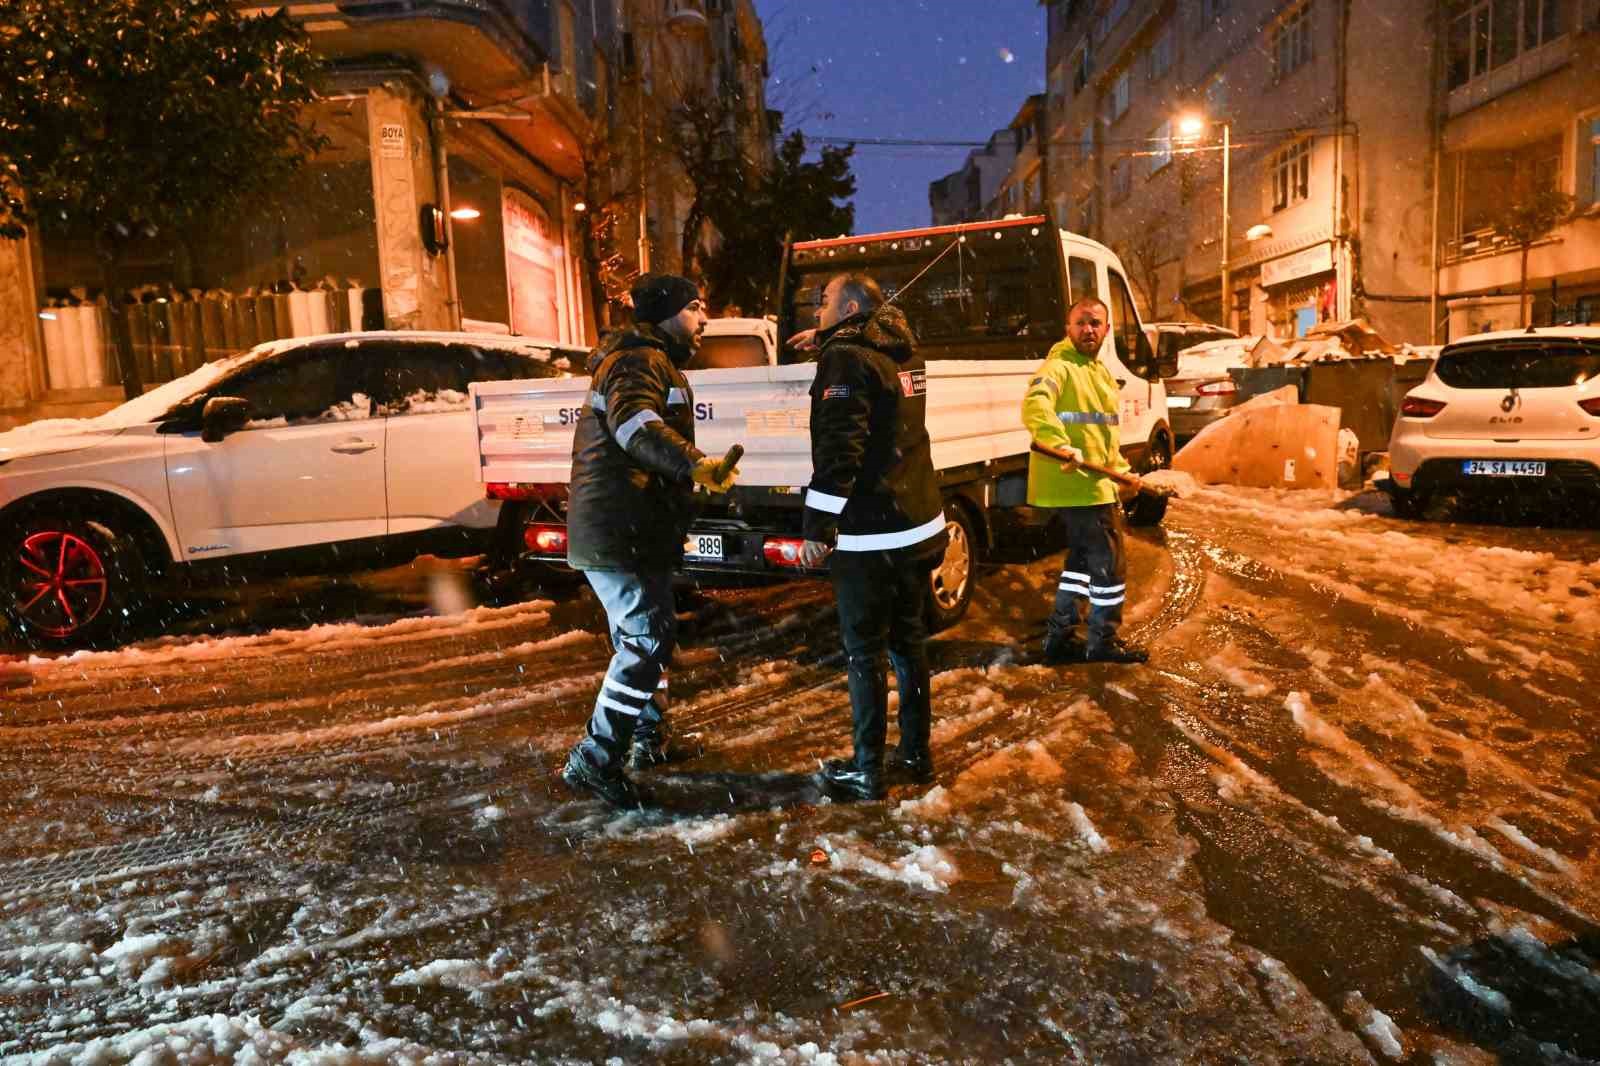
x=976 y=381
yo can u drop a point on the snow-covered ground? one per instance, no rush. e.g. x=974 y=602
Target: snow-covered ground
x=1347 y=814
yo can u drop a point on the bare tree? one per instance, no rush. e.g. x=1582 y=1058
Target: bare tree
x=1535 y=209
x=1144 y=251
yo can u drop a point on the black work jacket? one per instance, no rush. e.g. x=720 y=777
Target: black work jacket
x=630 y=500
x=872 y=484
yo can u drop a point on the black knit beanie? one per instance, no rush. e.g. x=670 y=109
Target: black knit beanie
x=657 y=297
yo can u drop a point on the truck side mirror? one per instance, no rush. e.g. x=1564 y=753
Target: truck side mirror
x=223 y=415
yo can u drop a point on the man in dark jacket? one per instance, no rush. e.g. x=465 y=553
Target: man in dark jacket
x=874 y=503
x=629 y=505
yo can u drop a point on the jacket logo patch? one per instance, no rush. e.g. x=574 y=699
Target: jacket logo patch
x=836 y=392
x=913 y=382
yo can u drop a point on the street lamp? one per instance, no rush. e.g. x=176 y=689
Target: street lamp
x=1190 y=128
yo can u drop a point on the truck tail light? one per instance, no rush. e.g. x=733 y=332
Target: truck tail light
x=522 y=490
x=781 y=551
x=1417 y=407
x=546 y=540
x=1591 y=406
x=1217 y=388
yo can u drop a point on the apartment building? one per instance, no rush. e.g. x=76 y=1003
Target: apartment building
x=965 y=195
x=1519 y=108
x=1311 y=125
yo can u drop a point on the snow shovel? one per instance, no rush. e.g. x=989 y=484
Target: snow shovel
x=1160 y=491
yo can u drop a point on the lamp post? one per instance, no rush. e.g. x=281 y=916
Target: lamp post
x=1190 y=127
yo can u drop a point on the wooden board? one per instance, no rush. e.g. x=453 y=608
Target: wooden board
x=1269 y=446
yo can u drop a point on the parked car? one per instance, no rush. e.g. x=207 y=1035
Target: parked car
x=1203 y=391
x=314 y=454
x=1512 y=415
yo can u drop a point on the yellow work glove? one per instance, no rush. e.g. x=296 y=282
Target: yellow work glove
x=704 y=473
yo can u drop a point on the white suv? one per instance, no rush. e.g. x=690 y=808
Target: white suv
x=318 y=453
x=1510 y=414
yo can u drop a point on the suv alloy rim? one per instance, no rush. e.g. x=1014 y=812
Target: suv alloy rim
x=950 y=580
x=63 y=585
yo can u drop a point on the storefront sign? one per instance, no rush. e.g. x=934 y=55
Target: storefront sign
x=533 y=260
x=392 y=140
x=1308 y=262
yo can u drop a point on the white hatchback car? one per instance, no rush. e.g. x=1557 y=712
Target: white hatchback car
x=1509 y=414
x=314 y=454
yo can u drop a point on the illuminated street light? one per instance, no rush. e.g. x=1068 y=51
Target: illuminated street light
x=1190 y=127
x=465 y=214
x=580 y=207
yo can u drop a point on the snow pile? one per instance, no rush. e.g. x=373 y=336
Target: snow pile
x=1182 y=485
x=1379 y=1029
x=930 y=807
x=1085 y=829
x=926 y=867
x=1230 y=663
x=467 y=975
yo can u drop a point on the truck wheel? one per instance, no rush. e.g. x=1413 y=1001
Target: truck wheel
x=1145 y=509
x=950 y=583
x=68 y=581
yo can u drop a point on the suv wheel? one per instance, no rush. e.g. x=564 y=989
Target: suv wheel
x=950 y=583
x=67 y=581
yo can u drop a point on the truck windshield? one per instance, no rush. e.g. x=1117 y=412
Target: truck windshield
x=987 y=298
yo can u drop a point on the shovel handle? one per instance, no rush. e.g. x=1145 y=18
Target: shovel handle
x=1095 y=468
x=729 y=461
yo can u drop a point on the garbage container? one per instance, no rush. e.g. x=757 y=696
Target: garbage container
x=1362 y=390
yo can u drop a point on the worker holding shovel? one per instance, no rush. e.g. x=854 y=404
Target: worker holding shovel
x=1076 y=469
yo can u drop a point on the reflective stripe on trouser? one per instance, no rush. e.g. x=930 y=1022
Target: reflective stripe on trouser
x=1094 y=575
x=644 y=627
x=882 y=599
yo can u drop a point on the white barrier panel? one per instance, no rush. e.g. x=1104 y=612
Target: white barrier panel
x=300 y=314
x=55 y=350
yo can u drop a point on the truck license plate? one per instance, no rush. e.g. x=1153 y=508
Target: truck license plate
x=1502 y=467
x=703 y=546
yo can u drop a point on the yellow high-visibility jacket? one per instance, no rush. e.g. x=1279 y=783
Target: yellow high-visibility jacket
x=1073 y=401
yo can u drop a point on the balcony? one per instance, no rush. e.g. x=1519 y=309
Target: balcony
x=1482 y=243
x=1519 y=71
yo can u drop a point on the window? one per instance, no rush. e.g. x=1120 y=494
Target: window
x=316 y=385
x=1213 y=9
x=1589 y=136
x=427 y=378
x=1125 y=328
x=1161 y=146
x=1291 y=174
x=1080 y=68
x=1121 y=180
x=1086 y=142
x=1121 y=94
x=1291 y=42
x=1082 y=278
x=1110 y=18
x=1161 y=52
x=1486 y=34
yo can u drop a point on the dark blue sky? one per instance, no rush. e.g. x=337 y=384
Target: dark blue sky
x=918 y=69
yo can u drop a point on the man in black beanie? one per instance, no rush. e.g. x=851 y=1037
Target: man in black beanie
x=634 y=472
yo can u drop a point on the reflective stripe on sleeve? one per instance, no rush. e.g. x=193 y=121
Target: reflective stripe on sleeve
x=869 y=542
x=616 y=705
x=677 y=396
x=1088 y=418
x=633 y=425
x=613 y=683
x=597 y=401
x=821 y=501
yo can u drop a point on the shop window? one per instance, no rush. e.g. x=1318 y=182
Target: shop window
x=478 y=228
x=1291 y=174
x=1589 y=150
x=1291 y=42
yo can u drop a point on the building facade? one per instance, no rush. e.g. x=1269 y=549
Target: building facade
x=965 y=195
x=1519 y=108
x=453 y=193
x=1310 y=122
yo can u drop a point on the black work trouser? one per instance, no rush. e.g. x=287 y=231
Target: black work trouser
x=883 y=599
x=1094 y=575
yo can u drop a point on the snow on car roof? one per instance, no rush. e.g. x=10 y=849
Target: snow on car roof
x=1585 y=333
x=497 y=341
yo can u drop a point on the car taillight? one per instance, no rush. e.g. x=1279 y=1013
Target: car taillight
x=1217 y=388
x=1591 y=406
x=547 y=540
x=781 y=551
x=522 y=490
x=1417 y=407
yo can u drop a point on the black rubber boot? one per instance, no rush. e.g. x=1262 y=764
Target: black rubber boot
x=1058 y=652
x=1113 y=650
x=914 y=768
x=610 y=784
x=849 y=780
x=649 y=748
